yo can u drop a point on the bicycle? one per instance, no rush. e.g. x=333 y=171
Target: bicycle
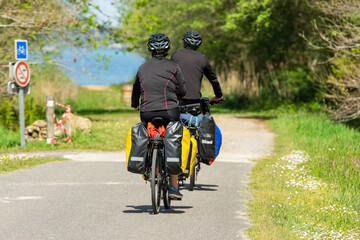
x=156 y=170
x=195 y=109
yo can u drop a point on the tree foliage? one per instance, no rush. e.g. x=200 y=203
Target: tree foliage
x=249 y=39
x=44 y=23
x=338 y=36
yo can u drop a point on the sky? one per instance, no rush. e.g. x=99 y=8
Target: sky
x=109 y=9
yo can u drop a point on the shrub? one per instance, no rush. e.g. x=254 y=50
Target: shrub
x=7 y=115
x=33 y=111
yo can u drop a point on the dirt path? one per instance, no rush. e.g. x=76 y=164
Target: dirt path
x=244 y=138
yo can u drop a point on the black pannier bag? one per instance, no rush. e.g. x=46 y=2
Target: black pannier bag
x=209 y=139
x=177 y=147
x=136 y=148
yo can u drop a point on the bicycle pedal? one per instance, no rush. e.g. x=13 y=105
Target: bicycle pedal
x=175 y=199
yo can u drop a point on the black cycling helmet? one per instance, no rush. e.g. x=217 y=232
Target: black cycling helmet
x=159 y=43
x=192 y=39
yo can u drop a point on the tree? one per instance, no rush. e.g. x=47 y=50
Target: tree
x=44 y=22
x=338 y=36
x=247 y=41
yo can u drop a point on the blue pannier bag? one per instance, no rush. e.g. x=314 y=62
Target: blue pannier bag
x=218 y=140
x=210 y=140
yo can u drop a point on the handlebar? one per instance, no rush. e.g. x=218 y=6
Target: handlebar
x=197 y=107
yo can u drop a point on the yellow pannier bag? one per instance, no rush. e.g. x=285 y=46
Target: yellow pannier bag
x=191 y=159
x=136 y=148
x=177 y=147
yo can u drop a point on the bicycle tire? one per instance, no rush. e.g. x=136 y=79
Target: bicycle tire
x=192 y=178
x=166 y=198
x=155 y=182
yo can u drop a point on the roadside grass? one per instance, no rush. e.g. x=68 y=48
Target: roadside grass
x=309 y=188
x=106 y=135
x=10 y=163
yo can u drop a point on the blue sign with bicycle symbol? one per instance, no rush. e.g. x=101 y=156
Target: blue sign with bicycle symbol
x=21 y=50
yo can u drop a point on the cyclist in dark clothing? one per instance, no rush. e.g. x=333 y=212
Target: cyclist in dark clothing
x=159 y=83
x=194 y=65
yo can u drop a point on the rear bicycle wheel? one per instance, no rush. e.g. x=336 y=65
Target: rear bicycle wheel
x=155 y=182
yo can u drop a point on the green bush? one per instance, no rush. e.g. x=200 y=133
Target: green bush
x=33 y=111
x=7 y=115
x=289 y=84
x=8 y=138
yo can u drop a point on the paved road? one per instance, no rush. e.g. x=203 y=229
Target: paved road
x=94 y=197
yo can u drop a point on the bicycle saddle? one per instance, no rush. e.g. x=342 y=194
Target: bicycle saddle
x=158 y=122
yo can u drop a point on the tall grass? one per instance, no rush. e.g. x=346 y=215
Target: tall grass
x=96 y=100
x=334 y=150
x=50 y=80
x=309 y=188
x=8 y=138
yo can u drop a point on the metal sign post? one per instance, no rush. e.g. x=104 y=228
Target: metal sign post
x=20 y=72
x=22 y=78
x=22 y=117
x=19 y=75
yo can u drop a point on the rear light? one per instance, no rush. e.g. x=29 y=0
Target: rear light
x=211 y=161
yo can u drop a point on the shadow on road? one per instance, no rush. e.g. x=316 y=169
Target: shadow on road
x=202 y=187
x=148 y=209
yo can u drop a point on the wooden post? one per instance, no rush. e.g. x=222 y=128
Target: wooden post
x=68 y=125
x=50 y=119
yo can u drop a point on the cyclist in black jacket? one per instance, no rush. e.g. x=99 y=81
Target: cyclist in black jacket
x=194 y=65
x=159 y=83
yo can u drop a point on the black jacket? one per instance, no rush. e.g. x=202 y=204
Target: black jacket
x=160 y=84
x=193 y=65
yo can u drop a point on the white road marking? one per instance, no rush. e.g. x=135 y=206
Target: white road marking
x=68 y=184
x=97 y=157
x=24 y=198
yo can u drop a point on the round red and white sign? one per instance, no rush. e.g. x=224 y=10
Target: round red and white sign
x=22 y=73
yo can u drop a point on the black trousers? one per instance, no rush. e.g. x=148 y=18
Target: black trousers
x=169 y=115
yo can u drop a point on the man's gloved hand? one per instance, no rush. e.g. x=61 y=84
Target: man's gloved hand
x=215 y=99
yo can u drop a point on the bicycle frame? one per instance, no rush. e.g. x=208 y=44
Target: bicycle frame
x=194 y=132
x=159 y=178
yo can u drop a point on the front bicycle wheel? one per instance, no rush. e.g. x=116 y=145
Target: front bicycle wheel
x=167 y=199
x=155 y=182
x=192 y=178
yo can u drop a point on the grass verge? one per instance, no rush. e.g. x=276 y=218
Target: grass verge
x=106 y=135
x=10 y=163
x=309 y=189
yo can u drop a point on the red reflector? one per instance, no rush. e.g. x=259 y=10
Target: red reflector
x=211 y=161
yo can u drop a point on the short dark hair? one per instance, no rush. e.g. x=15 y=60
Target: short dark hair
x=156 y=54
